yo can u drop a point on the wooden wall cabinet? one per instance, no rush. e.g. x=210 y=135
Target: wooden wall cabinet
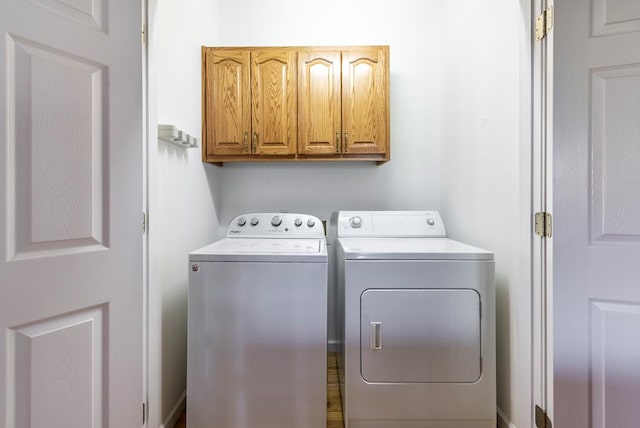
x=249 y=102
x=295 y=104
x=343 y=102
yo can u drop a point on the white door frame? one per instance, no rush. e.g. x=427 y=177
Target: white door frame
x=522 y=376
x=148 y=386
x=542 y=198
x=526 y=391
x=153 y=300
x=535 y=334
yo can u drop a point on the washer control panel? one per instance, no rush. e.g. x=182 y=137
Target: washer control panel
x=276 y=225
x=400 y=224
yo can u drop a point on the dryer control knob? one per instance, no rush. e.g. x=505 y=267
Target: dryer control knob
x=242 y=221
x=311 y=222
x=254 y=221
x=276 y=220
x=355 y=222
x=431 y=221
x=298 y=222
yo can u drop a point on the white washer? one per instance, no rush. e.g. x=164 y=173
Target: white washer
x=257 y=325
x=416 y=324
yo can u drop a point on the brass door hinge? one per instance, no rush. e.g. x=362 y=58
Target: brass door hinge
x=544 y=223
x=542 y=420
x=544 y=23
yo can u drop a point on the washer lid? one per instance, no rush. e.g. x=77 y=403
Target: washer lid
x=266 y=250
x=410 y=249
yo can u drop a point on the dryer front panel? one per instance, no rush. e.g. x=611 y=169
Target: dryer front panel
x=420 y=335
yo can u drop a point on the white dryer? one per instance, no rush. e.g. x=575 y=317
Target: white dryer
x=257 y=326
x=416 y=324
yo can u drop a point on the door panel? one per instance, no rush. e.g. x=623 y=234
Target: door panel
x=91 y=13
x=615 y=157
x=365 y=119
x=70 y=213
x=417 y=336
x=58 y=198
x=319 y=124
x=44 y=354
x=615 y=367
x=615 y=16
x=274 y=101
x=596 y=240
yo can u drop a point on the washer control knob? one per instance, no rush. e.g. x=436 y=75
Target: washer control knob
x=431 y=221
x=298 y=222
x=254 y=221
x=276 y=220
x=311 y=222
x=355 y=222
x=242 y=221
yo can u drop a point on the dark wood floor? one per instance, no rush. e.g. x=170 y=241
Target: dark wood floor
x=334 y=401
x=182 y=422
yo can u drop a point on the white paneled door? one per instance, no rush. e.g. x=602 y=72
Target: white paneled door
x=597 y=213
x=70 y=214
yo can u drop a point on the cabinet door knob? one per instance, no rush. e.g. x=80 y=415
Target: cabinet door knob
x=337 y=141
x=246 y=142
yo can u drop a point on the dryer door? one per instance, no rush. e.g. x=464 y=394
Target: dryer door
x=420 y=335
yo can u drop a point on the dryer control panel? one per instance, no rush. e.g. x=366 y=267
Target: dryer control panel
x=392 y=224
x=275 y=225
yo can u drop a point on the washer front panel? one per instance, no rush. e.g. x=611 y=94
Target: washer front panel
x=369 y=398
x=257 y=345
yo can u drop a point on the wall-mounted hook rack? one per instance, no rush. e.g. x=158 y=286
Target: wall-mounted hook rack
x=173 y=135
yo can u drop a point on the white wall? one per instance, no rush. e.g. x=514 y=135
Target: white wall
x=411 y=180
x=481 y=188
x=183 y=208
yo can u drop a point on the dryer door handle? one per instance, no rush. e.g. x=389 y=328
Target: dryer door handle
x=376 y=336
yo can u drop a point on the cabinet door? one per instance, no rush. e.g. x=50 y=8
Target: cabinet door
x=365 y=100
x=274 y=101
x=319 y=127
x=227 y=103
